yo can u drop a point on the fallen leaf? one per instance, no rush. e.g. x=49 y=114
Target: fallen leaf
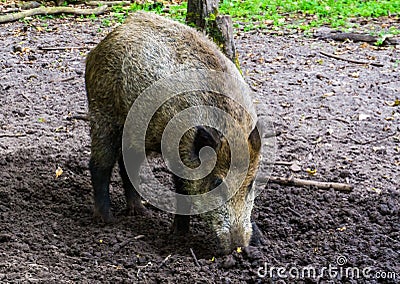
x=326 y=95
x=363 y=116
x=379 y=149
x=396 y=102
x=269 y=22
x=377 y=190
x=355 y=74
x=239 y=249
x=212 y=259
x=311 y=171
x=341 y=229
x=59 y=172
x=295 y=167
x=319 y=139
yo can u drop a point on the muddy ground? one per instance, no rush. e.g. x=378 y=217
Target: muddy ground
x=334 y=117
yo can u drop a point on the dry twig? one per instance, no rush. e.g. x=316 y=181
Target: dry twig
x=10 y=135
x=351 y=60
x=356 y=37
x=51 y=48
x=194 y=257
x=302 y=182
x=165 y=261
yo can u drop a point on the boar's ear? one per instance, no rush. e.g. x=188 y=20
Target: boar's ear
x=255 y=139
x=206 y=136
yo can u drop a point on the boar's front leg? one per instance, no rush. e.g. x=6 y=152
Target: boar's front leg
x=181 y=222
x=133 y=199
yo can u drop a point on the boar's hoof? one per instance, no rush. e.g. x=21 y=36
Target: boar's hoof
x=257 y=238
x=180 y=227
x=136 y=209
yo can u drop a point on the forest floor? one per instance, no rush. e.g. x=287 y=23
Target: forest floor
x=337 y=120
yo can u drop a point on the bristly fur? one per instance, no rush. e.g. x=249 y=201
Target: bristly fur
x=143 y=50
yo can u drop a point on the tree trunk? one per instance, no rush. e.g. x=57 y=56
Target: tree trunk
x=199 y=11
x=203 y=14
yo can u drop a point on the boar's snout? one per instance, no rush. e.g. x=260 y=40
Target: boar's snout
x=234 y=237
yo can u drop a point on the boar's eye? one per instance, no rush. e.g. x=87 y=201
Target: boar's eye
x=217 y=182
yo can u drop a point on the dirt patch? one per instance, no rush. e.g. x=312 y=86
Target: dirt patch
x=334 y=117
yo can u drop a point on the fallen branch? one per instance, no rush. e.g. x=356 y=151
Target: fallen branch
x=12 y=135
x=302 y=182
x=109 y=3
x=372 y=140
x=351 y=60
x=52 y=10
x=51 y=48
x=10 y=10
x=355 y=37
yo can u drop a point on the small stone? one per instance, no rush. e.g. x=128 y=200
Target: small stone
x=229 y=262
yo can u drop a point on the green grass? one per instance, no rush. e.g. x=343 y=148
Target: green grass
x=307 y=14
x=292 y=14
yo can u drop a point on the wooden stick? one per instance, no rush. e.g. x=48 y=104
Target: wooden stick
x=302 y=182
x=280 y=163
x=165 y=261
x=195 y=258
x=52 y=10
x=351 y=60
x=12 y=135
x=109 y=3
x=50 y=48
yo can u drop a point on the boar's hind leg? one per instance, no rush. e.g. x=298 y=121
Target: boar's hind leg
x=104 y=153
x=133 y=200
x=181 y=222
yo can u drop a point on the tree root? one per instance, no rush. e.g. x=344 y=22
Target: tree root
x=51 y=10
